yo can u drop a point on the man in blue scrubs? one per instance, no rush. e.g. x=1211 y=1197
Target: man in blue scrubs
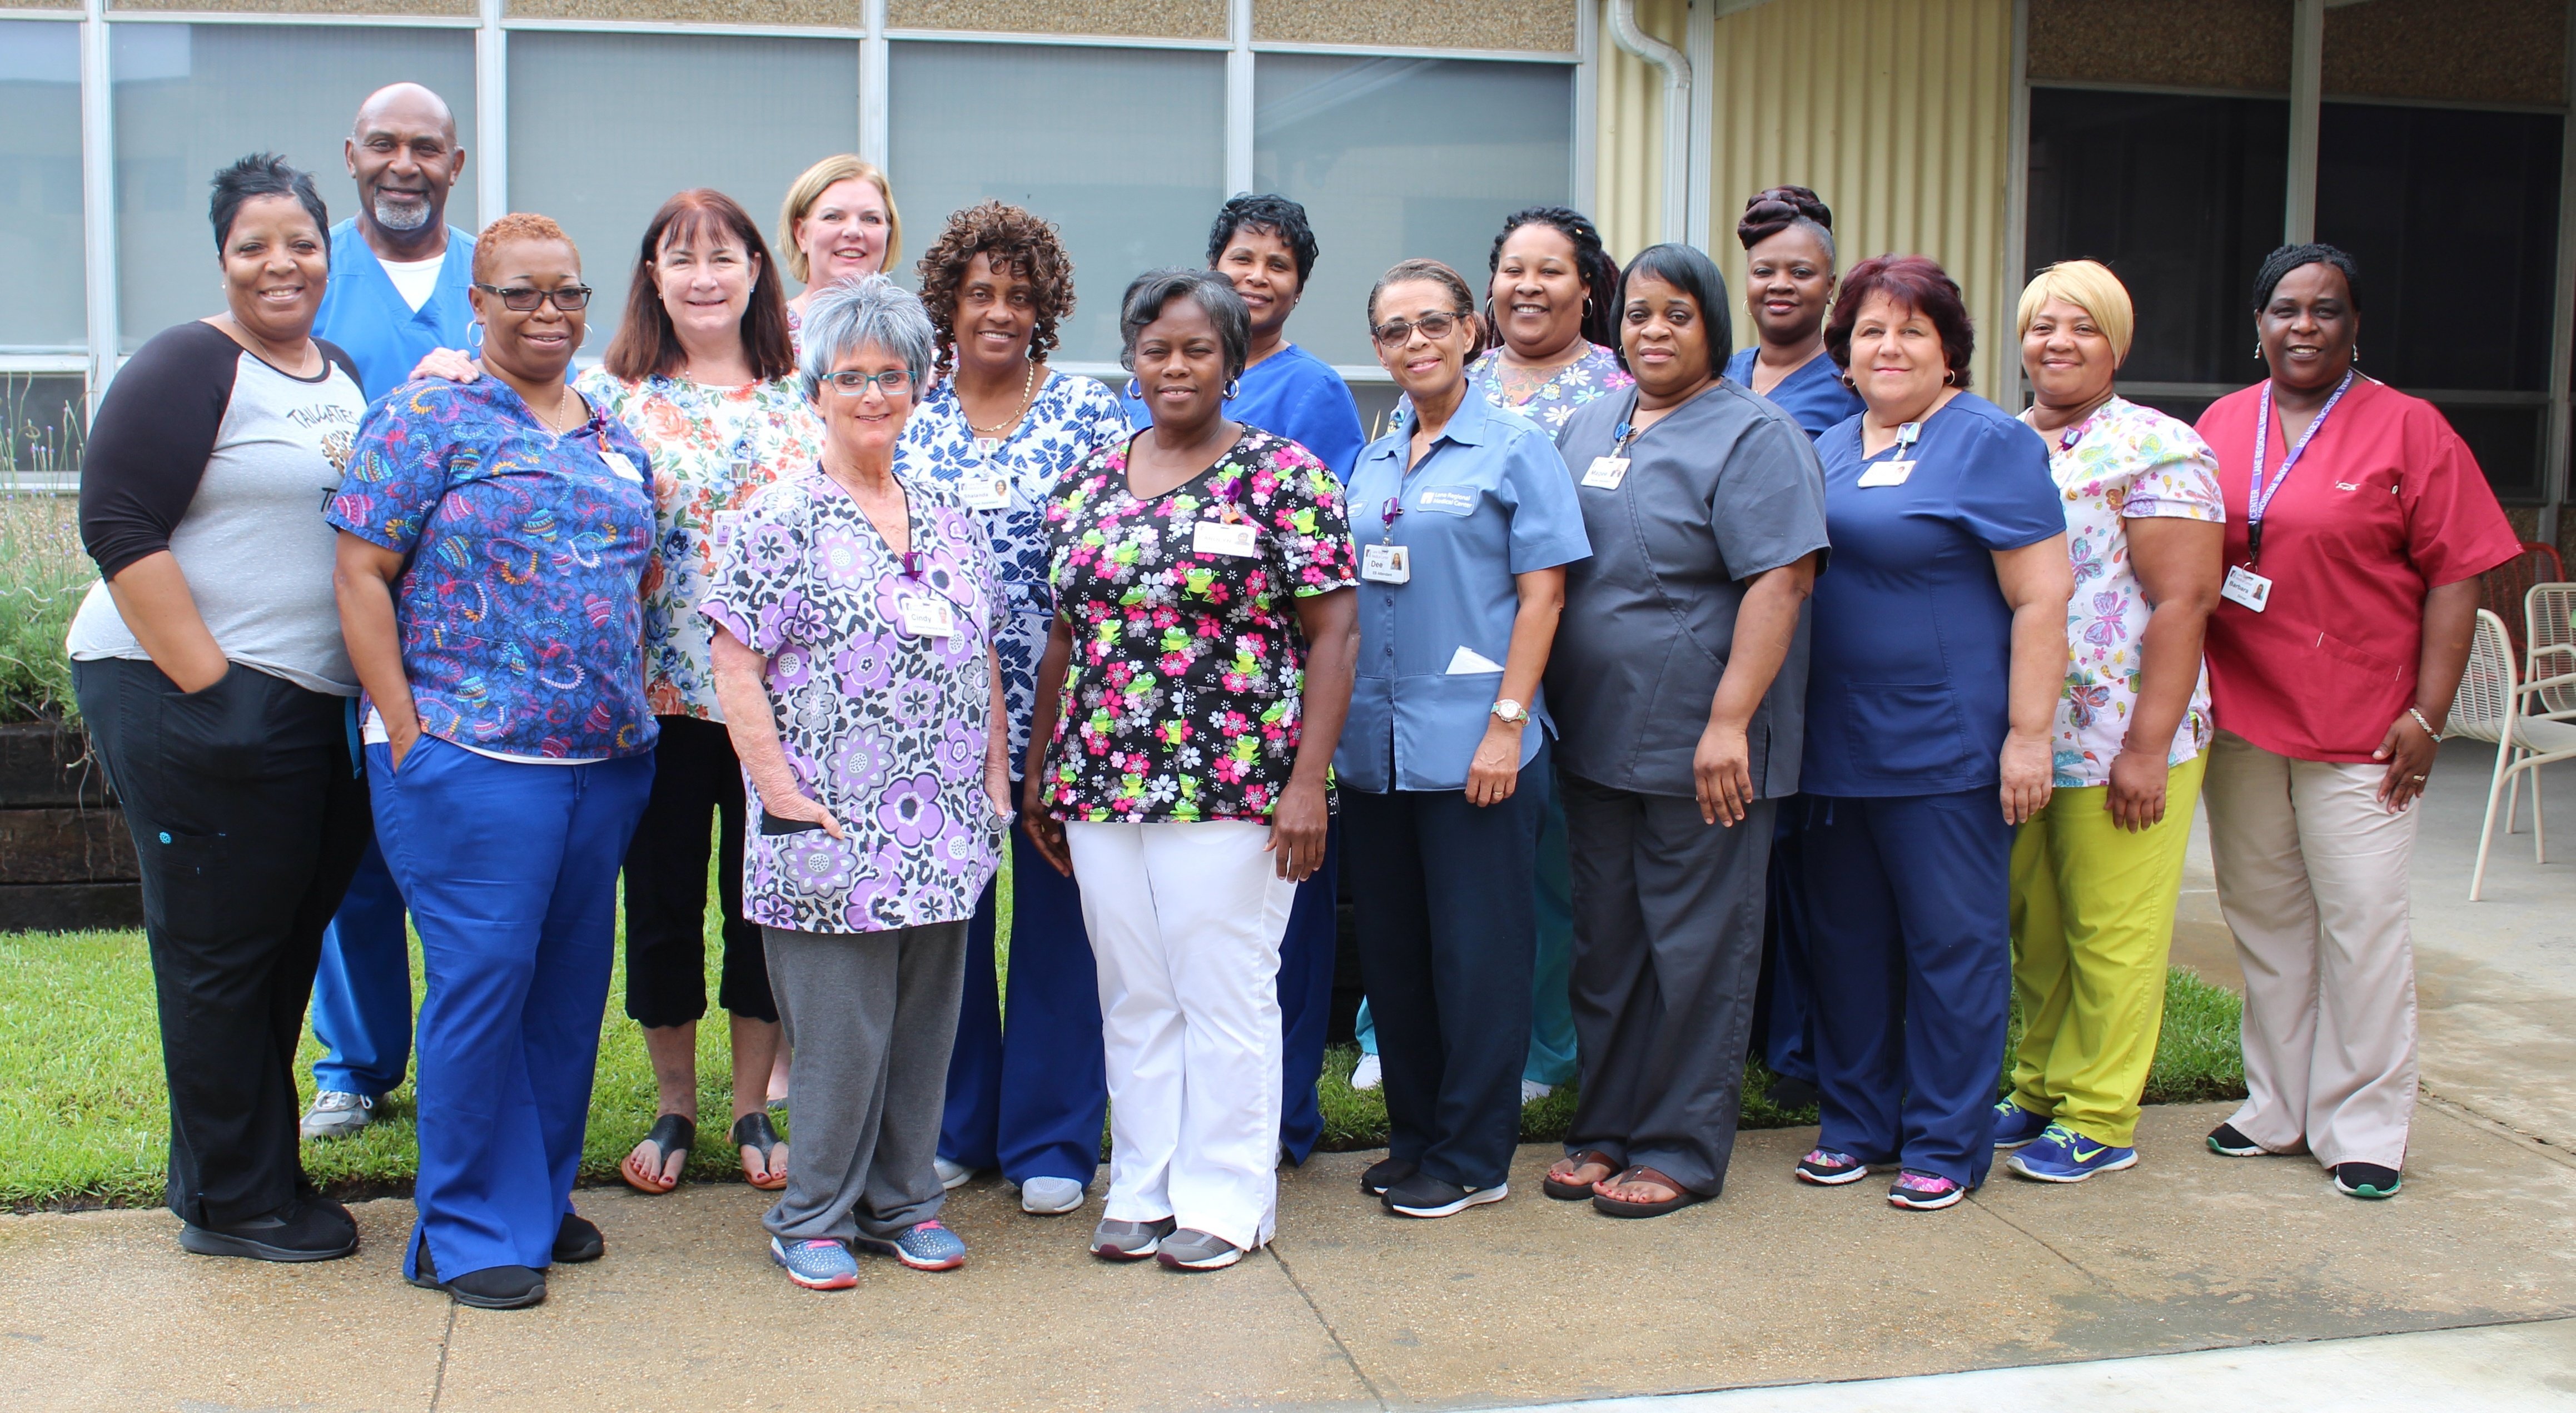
x=398 y=280
x=1264 y=245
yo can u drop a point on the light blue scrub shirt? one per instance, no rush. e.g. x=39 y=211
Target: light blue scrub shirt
x=1491 y=499
x=363 y=313
x=1292 y=394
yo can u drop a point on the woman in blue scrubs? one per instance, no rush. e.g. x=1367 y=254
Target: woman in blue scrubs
x=1940 y=651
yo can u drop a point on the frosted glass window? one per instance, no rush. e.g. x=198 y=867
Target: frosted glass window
x=191 y=99
x=605 y=127
x=1123 y=149
x=40 y=184
x=1399 y=158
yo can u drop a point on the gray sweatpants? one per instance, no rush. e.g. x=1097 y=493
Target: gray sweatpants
x=871 y=1017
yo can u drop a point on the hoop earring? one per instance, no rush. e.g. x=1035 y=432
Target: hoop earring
x=1233 y=388
x=2258 y=352
x=1135 y=391
x=474 y=336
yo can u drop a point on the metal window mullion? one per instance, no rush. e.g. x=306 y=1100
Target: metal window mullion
x=1699 y=40
x=491 y=115
x=98 y=199
x=1584 y=180
x=2016 y=232
x=2307 y=87
x=876 y=123
x=1238 y=97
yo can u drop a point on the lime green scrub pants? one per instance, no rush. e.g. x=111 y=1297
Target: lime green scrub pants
x=2092 y=923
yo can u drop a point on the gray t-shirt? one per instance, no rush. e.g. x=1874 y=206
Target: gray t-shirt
x=203 y=450
x=1724 y=487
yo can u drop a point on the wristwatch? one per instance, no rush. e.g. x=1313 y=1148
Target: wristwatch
x=1509 y=712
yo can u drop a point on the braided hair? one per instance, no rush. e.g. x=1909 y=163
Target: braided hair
x=1600 y=273
x=1776 y=209
x=2281 y=262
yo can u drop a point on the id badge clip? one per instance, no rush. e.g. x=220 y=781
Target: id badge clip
x=1606 y=473
x=928 y=616
x=1895 y=470
x=1232 y=538
x=619 y=463
x=2246 y=589
x=984 y=490
x=1386 y=564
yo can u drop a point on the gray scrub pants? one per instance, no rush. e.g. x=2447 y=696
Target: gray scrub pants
x=1667 y=958
x=872 y=1017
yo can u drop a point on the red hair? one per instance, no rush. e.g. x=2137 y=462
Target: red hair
x=1913 y=282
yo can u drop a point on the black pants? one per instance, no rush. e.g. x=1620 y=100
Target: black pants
x=696 y=781
x=1448 y=933
x=249 y=821
x=1667 y=953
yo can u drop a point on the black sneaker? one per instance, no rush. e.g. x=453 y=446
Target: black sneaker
x=1423 y=1195
x=492 y=1288
x=1386 y=1173
x=2226 y=1142
x=2366 y=1180
x=577 y=1240
x=306 y=1229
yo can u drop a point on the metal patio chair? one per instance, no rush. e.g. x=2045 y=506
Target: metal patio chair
x=2491 y=707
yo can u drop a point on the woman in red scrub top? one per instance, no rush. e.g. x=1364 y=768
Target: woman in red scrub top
x=2344 y=626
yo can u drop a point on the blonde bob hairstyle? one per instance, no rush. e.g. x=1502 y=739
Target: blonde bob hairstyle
x=2090 y=286
x=809 y=188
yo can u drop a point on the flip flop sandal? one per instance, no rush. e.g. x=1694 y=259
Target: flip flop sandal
x=753 y=1130
x=670 y=1134
x=1619 y=1207
x=1564 y=1191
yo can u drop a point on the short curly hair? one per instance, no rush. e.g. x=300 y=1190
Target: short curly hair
x=514 y=226
x=1017 y=242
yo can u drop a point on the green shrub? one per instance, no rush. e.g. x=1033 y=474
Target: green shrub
x=43 y=575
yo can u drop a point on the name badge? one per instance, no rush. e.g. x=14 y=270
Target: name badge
x=624 y=468
x=928 y=616
x=984 y=490
x=1218 y=537
x=2246 y=589
x=1887 y=473
x=1386 y=564
x=1606 y=473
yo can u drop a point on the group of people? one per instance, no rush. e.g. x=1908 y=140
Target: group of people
x=1666 y=702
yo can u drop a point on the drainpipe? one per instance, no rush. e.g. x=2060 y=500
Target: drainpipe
x=1677 y=108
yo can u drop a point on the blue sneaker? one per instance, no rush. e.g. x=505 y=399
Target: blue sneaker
x=817 y=1264
x=2063 y=1155
x=927 y=1247
x=2015 y=1125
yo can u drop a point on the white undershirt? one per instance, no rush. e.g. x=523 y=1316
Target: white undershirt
x=414 y=280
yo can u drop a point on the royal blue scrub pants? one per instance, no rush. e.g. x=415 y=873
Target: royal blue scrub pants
x=511 y=871
x=362 y=991
x=1908 y=902
x=1029 y=1098
x=1306 y=999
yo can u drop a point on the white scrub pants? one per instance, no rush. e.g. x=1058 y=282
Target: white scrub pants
x=2312 y=876
x=1185 y=922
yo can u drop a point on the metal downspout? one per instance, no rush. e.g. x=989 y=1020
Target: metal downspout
x=1677 y=86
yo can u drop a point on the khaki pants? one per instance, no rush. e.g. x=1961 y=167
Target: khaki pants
x=2312 y=877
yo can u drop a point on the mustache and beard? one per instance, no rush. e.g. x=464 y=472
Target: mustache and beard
x=403 y=211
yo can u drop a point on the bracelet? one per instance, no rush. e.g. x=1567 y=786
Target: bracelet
x=2420 y=721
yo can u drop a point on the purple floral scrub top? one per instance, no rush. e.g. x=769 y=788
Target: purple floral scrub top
x=1181 y=701
x=885 y=728
x=520 y=605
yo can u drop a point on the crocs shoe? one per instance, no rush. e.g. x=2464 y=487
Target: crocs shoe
x=2063 y=1155
x=1924 y=1192
x=816 y=1265
x=2015 y=1125
x=1826 y=1168
x=927 y=1247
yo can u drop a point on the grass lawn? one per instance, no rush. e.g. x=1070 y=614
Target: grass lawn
x=84 y=1119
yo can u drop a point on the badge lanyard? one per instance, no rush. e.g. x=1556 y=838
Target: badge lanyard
x=1897 y=469
x=2258 y=497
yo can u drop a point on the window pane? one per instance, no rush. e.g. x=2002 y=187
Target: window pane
x=191 y=99
x=41 y=428
x=1123 y=149
x=1400 y=158
x=40 y=184
x=2505 y=440
x=605 y=127
x=2183 y=196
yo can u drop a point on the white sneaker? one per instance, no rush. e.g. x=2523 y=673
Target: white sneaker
x=1532 y=1091
x=1368 y=1075
x=337 y=1114
x=951 y=1176
x=1050 y=1196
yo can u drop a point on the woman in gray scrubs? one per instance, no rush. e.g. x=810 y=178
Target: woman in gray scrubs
x=1678 y=684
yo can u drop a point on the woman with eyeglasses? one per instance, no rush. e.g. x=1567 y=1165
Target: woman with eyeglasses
x=494 y=537
x=1467 y=522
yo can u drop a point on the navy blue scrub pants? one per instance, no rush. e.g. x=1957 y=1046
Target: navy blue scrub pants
x=1908 y=907
x=1447 y=940
x=362 y=989
x=1029 y=1098
x=1306 y=999
x=1788 y=1032
x=511 y=871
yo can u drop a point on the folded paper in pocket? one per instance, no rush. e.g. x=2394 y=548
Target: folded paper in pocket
x=1467 y=660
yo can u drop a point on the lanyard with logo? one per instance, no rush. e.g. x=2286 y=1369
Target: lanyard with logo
x=926 y=612
x=1894 y=470
x=2244 y=587
x=1387 y=562
x=987 y=484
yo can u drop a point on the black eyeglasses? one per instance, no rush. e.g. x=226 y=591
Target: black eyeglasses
x=568 y=298
x=1433 y=326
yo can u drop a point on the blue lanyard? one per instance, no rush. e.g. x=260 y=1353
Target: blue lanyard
x=2258 y=498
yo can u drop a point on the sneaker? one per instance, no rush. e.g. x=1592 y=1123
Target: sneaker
x=492 y=1288
x=306 y=1229
x=1115 y=1240
x=1423 y=1195
x=1532 y=1091
x=1051 y=1196
x=951 y=1175
x=1826 y=1168
x=2015 y=1125
x=1386 y=1173
x=2226 y=1142
x=2367 y=1180
x=1368 y=1074
x=336 y=1113
x=1192 y=1250
x=577 y=1239
x=927 y=1247
x=816 y=1264
x=1924 y=1192
x=2063 y=1155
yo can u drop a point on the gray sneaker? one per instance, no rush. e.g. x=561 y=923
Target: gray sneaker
x=1194 y=1250
x=1114 y=1240
x=1050 y=1196
x=337 y=1114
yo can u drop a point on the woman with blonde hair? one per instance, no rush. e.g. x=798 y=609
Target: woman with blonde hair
x=838 y=223
x=2097 y=871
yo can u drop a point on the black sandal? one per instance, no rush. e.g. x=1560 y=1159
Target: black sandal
x=754 y=1130
x=671 y=1133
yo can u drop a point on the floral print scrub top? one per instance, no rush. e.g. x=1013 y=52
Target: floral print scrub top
x=1597 y=372
x=1071 y=418
x=884 y=728
x=2125 y=462
x=711 y=448
x=1181 y=701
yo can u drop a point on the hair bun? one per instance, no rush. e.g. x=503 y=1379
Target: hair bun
x=1775 y=209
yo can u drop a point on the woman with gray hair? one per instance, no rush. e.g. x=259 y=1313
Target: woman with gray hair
x=854 y=613
x=1177 y=764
